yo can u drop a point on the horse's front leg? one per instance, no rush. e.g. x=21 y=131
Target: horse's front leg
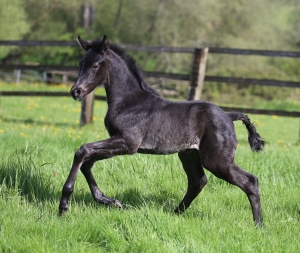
x=84 y=159
x=98 y=195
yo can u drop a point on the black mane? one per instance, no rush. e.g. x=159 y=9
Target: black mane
x=131 y=64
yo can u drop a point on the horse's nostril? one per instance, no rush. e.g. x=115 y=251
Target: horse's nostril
x=77 y=92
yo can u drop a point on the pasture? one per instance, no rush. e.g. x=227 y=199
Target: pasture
x=38 y=138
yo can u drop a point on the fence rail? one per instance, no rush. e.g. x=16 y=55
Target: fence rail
x=196 y=77
x=43 y=94
x=182 y=77
x=37 y=67
x=103 y=98
x=214 y=50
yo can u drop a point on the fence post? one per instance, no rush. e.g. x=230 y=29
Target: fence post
x=18 y=75
x=198 y=73
x=87 y=108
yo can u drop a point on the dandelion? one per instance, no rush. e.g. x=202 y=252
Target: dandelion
x=24 y=135
x=259 y=123
x=274 y=116
x=25 y=126
x=76 y=109
x=1 y=131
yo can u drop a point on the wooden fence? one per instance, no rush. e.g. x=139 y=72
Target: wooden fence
x=196 y=77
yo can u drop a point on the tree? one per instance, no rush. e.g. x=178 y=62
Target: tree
x=52 y=20
x=13 y=22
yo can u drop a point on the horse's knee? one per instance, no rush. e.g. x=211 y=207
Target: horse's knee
x=253 y=187
x=81 y=153
x=68 y=189
x=253 y=179
x=197 y=184
x=202 y=182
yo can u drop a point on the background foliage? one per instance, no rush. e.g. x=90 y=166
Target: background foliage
x=256 y=24
x=267 y=24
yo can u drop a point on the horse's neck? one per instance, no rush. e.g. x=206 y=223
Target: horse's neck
x=121 y=84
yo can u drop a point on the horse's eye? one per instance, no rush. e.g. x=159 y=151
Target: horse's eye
x=95 y=66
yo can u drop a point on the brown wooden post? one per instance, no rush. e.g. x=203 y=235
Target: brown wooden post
x=87 y=108
x=65 y=79
x=198 y=73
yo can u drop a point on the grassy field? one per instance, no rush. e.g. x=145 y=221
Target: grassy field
x=38 y=138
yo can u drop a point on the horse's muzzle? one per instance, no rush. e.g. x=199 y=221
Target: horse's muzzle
x=77 y=93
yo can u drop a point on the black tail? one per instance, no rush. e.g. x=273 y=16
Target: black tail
x=254 y=139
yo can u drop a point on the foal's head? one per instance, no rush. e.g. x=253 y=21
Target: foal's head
x=93 y=67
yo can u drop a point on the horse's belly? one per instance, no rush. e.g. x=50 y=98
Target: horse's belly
x=173 y=145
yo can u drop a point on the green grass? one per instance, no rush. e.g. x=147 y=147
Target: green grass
x=38 y=138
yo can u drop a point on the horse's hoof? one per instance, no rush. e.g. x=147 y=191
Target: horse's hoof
x=178 y=211
x=117 y=203
x=62 y=211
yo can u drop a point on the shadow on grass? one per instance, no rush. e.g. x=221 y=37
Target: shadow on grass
x=133 y=198
x=36 y=122
x=20 y=175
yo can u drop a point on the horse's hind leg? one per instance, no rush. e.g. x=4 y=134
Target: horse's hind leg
x=191 y=162
x=233 y=174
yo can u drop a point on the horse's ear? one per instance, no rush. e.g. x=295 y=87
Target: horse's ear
x=84 y=44
x=105 y=42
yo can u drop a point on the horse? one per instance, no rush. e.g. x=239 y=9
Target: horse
x=139 y=120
